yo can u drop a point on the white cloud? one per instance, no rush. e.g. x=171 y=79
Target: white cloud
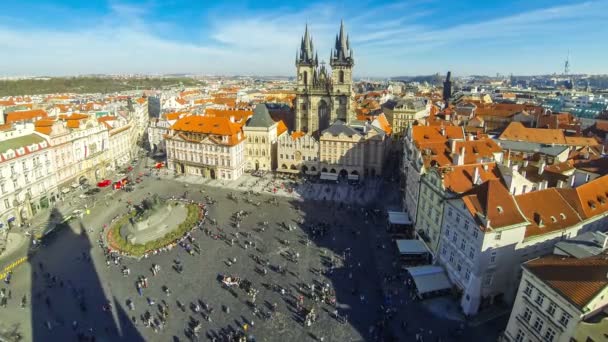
x=266 y=43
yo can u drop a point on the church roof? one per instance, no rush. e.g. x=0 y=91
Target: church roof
x=261 y=117
x=339 y=127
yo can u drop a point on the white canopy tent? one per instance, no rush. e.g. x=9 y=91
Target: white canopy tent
x=429 y=279
x=399 y=218
x=414 y=246
x=329 y=176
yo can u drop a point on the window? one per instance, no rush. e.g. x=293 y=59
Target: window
x=459 y=266
x=520 y=336
x=455 y=238
x=528 y=289
x=551 y=309
x=497 y=236
x=457 y=218
x=475 y=233
x=487 y=281
x=444 y=251
x=463 y=245
x=467 y=274
x=450 y=212
x=466 y=226
x=540 y=298
x=564 y=319
x=493 y=257
x=538 y=324
x=527 y=315
x=452 y=257
x=7 y=204
x=471 y=253
x=549 y=335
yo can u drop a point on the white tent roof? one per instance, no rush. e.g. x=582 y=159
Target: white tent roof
x=411 y=247
x=429 y=278
x=398 y=217
x=329 y=176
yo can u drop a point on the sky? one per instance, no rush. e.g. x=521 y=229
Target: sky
x=389 y=38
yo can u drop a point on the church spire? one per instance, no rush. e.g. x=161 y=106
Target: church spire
x=343 y=51
x=306 y=54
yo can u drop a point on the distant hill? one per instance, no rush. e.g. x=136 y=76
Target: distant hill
x=432 y=79
x=88 y=85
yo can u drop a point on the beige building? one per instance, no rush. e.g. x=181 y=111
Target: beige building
x=561 y=299
x=262 y=133
x=209 y=147
x=403 y=112
x=352 y=151
x=297 y=153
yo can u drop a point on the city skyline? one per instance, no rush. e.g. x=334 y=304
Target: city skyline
x=59 y=38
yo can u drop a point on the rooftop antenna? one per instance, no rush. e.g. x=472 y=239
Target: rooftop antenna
x=567 y=64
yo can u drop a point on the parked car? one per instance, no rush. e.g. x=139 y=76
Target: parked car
x=104 y=183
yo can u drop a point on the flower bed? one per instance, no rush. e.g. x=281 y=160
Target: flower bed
x=117 y=243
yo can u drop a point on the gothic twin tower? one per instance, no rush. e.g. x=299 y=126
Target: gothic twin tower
x=323 y=96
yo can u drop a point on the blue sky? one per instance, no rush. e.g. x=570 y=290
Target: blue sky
x=390 y=38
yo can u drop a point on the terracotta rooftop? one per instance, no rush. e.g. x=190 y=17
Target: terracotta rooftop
x=589 y=199
x=429 y=134
x=518 y=132
x=493 y=201
x=577 y=280
x=547 y=211
x=24 y=115
x=210 y=125
x=281 y=128
x=460 y=179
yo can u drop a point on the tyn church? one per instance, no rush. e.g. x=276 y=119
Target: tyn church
x=323 y=96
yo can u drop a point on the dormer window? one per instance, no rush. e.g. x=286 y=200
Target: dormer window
x=601 y=199
x=500 y=210
x=591 y=204
x=562 y=216
x=553 y=219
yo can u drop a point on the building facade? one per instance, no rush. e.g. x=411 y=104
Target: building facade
x=27 y=177
x=323 y=96
x=207 y=147
x=262 y=133
x=298 y=153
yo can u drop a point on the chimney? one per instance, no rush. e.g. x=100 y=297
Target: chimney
x=453 y=145
x=541 y=166
x=471 y=137
x=605 y=243
x=538 y=220
x=485 y=167
x=443 y=131
x=232 y=118
x=560 y=184
x=586 y=153
x=523 y=173
x=460 y=157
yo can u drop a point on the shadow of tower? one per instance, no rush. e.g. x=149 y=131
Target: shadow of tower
x=67 y=296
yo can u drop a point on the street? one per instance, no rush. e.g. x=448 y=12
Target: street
x=294 y=253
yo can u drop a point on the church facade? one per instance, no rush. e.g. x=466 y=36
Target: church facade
x=323 y=96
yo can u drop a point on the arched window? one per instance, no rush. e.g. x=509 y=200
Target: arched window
x=263 y=140
x=341 y=76
x=305 y=78
x=256 y=140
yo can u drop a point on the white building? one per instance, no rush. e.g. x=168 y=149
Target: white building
x=561 y=299
x=208 y=147
x=27 y=177
x=262 y=133
x=297 y=153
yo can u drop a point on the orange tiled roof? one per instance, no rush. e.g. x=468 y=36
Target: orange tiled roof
x=589 y=199
x=210 y=125
x=297 y=135
x=547 y=211
x=240 y=115
x=577 y=280
x=460 y=179
x=24 y=115
x=493 y=201
x=581 y=141
x=429 y=134
x=141 y=100
x=518 y=132
x=386 y=127
x=281 y=128
x=7 y=103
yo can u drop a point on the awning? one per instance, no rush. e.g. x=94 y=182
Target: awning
x=75 y=185
x=414 y=246
x=65 y=190
x=429 y=278
x=329 y=176
x=353 y=177
x=398 y=217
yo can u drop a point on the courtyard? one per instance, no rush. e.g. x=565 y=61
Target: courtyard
x=298 y=255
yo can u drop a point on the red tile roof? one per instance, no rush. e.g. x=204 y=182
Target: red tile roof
x=577 y=280
x=210 y=125
x=24 y=115
x=589 y=199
